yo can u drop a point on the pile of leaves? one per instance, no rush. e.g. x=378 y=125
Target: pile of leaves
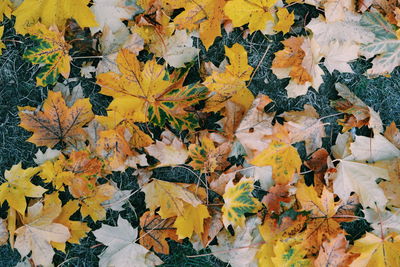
x=268 y=192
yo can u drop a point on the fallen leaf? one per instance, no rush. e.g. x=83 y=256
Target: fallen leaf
x=324 y=221
x=3 y=232
x=286 y=20
x=38 y=230
x=276 y=194
x=254 y=12
x=50 y=51
x=238 y=201
x=18 y=186
x=56 y=122
x=239 y=250
x=122 y=249
x=169 y=197
x=305 y=125
x=52 y=12
x=192 y=220
x=169 y=151
x=361 y=179
x=283 y=158
x=377 y=251
x=154 y=232
x=333 y=253
x=384 y=47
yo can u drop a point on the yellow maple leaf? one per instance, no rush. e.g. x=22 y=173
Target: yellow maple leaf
x=54 y=172
x=272 y=232
x=286 y=20
x=283 y=158
x=152 y=91
x=52 y=12
x=231 y=84
x=192 y=220
x=290 y=253
x=91 y=205
x=206 y=16
x=169 y=197
x=324 y=219
x=19 y=186
x=77 y=229
x=377 y=251
x=239 y=201
x=254 y=12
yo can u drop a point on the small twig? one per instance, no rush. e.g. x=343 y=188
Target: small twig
x=226 y=251
x=73 y=58
x=258 y=66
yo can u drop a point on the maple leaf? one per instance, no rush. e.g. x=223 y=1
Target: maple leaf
x=324 y=220
x=111 y=14
x=277 y=194
x=255 y=126
x=85 y=170
x=206 y=157
x=55 y=173
x=385 y=46
x=286 y=20
x=231 y=84
x=305 y=125
x=160 y=99
x=206 y=16
x=299 y=60
x=77 y=229
x=361 y=179
x=170 y=197
x=38 y=230
x=272 y=232
x=238 y=201
x=51 y=51
x=56 y=122
x=373 y=149
x=333 y=253
x=18 y=185
x=91 y=205
x=283 y=158
x=239 y=250
x=290 y=252
x=357 y=112
x=122 y=249
x=49 y=154
x=179 y=49
x=52 y=12
x=192 y=220
x=377 y=251
x=170 y=151
x=154 y=232
x=255 y=12
x=348 y=30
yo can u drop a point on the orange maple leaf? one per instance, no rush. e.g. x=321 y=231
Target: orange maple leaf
x=56 y=122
